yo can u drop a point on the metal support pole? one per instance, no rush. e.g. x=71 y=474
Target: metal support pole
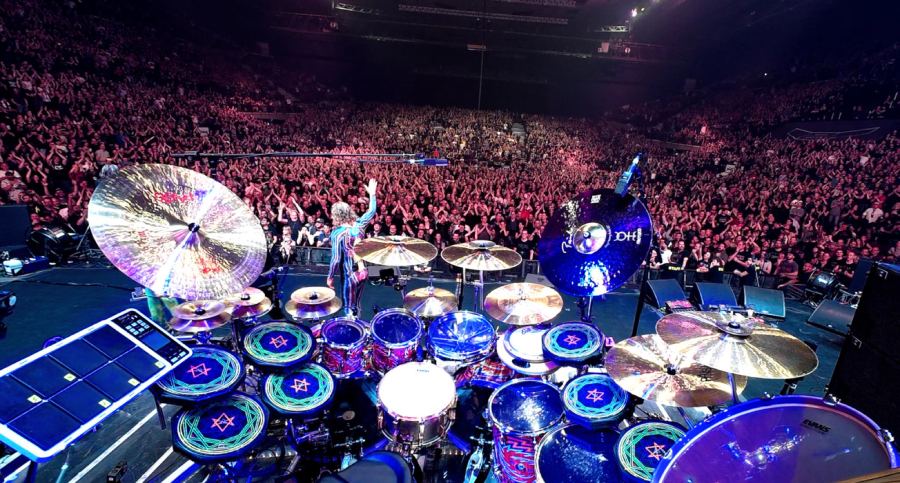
x=734 y=395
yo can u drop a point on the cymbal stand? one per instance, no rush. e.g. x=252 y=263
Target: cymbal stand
x=479 y=291
x=734 y=392
x=687 y=420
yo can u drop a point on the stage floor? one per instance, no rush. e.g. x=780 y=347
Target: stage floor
x=60 y=301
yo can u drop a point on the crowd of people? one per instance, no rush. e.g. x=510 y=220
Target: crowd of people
x=79 y=92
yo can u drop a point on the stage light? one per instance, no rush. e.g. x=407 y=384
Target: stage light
x=633 y=12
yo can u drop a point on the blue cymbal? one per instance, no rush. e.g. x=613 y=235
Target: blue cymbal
x=594 y=242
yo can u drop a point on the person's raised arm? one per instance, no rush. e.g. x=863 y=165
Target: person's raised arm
x=366 y=217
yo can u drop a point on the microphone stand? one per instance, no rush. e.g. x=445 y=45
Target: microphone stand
x=634 y=172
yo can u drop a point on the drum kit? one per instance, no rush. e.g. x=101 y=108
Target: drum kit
x=449 y=392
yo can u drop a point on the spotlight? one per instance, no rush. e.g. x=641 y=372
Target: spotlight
x=634 y=12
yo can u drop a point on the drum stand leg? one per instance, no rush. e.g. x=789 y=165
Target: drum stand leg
x=733 y=384
x=687 y=421
x=479 y=292
x=159 y=412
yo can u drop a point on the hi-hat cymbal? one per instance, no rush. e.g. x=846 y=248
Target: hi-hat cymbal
x=430 y=301
x=481 y=255
x=199 y=316
x=594 y=242
x=523 y=303
x=199 y=309
x=247 y=297
x=249 y=311
x=396 y=251
x=648 y=368
x=313 y=311
x=737 y=344
x=312 y=295
x=177 y=232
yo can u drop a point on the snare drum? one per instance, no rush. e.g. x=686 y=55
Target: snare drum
x=594 y=401
x=277 y=345
x=209 y=373
x=766 y=439
x=640 y=448
x=522 y=350
x=416 y=402
x=572 y=343
x=457 y=339
x=522 y=411
x=220 y=431
x=343 y=347
x=303 y=391
x=574 y=454
x=395 y=338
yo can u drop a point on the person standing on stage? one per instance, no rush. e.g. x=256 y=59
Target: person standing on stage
x=347 y=231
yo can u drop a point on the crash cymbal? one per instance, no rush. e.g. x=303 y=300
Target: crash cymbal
x=177 y=232
x=199 y=309
x=248 y=296
x=648 y=368
x=312 y=295
x=594 y=242
x=396 y=251
x=199 y=316
x=523 y=303
x=250 y=311
x=430 y=301
x=312 y=311
x=481 y=255
x=737 y=344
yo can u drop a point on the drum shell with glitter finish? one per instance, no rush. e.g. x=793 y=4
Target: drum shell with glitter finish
x=278 y=345
x=490 y=373
x=344 y=343
x=521 y=412
x=575 y=454
x=573 y=343
x=762 y=440
x=239 y=426
x=416 y=404
x=461 y=338
x=208 y=374
x=594 y=400
x=395 y=338
x=641 y=447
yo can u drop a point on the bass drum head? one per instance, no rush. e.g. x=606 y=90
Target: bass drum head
x=786 y=438
x=574 y=454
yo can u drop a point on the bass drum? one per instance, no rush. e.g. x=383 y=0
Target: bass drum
x=785 y=438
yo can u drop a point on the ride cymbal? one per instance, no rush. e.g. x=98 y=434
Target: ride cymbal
x=430 y=301
x=737 y=344
x=650 y=369
x=594 y=242
x=523 y=303
x=177 y=232
x=396 y=251
x=481 y=255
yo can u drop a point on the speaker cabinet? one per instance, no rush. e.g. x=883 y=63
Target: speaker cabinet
x=714 y=294
x=764 y=301
x=662 y=291
x=833 y=317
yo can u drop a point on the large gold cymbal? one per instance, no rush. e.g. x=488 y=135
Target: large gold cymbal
x=523 y=303
x=648 y=368
x=396 y=251
x=737 y=344
x=481 y=255
x=177 y=232
x=430 y=301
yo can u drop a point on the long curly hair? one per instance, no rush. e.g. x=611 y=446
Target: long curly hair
x=342 y=213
